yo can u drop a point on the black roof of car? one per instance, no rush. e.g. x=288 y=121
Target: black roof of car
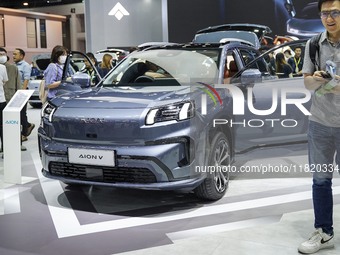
x=259 y=30
x=228 y=37
x=234 y=41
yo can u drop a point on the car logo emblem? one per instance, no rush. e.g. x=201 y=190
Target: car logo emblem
x=92 y=120
x=119 y=11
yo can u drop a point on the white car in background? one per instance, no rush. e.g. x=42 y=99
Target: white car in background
x=117 y=54
x=41 y=61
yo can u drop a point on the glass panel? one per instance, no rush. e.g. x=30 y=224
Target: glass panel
x=165 y=68
x=43 y=43
x=31 y=33
x=2 y=34
x=274 y=64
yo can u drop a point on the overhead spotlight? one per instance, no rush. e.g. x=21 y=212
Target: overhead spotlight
x=25 y=4
x=53 y=1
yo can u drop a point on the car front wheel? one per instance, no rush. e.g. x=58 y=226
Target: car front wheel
x=36 y=105
x=216 y=183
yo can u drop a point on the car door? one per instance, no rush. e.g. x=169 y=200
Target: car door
x=74 y=75
x=268 y=120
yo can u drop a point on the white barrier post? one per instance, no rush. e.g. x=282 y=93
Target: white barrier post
x=12 y=136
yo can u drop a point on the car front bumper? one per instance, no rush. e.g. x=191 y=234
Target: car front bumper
x=154 y=166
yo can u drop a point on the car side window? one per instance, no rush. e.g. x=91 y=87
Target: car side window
x=230 y=67
x=267 y=65
x=248 y=56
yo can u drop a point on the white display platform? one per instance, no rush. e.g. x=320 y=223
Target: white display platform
x=12 y=136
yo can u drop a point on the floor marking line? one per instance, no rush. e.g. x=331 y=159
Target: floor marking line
x=67 y=224
x=223 y=227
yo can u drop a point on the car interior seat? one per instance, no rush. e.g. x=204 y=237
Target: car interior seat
x=133 y=72
x=232 y=68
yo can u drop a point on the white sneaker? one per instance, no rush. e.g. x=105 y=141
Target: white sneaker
x=318 y=240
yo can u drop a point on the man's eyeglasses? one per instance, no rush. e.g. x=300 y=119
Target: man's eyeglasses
x=334 y=14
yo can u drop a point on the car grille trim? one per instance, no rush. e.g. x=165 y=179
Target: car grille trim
x=109 y=174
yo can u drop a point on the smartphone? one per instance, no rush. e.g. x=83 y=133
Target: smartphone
x=326 y=75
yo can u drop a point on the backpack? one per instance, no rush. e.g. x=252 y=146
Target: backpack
x=314 y=48
x=43 y=91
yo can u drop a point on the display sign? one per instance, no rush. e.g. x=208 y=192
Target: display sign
x=91 y=157
x=20 y=98
x=12 y=136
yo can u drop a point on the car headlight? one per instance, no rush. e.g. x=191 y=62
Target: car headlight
x=47 y=111
x=177 y=111
x=292 y=30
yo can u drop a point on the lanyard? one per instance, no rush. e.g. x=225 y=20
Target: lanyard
x=297 y=64
x=91 y=75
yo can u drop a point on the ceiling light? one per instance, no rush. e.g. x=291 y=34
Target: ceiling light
x=53 y=1
x=25 y=3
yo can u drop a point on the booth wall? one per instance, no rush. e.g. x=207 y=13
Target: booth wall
x=144 y=23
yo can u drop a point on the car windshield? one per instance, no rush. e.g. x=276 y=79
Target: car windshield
x=164 y=67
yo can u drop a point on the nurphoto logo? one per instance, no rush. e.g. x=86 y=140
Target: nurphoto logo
x=239 y=104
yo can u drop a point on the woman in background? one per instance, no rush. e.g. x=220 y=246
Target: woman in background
x=54 y=72
x=106 y=64
x=3 y=79
x=283 y=69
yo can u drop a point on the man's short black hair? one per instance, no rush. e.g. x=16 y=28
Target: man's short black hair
x=22 y=52
x=298 y=47
x=320 y=2
x=90 y=55
x=3 y=49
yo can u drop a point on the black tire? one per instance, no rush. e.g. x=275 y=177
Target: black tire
x=36 y=105
x=215 y=185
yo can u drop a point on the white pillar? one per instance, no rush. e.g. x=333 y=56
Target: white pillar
x=73 y=32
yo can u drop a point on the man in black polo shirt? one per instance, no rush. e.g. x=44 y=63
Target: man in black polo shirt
x=89 y=69
x=296 y=62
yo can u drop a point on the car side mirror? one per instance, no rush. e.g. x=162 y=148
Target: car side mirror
x=81 y=79
x=251 y=76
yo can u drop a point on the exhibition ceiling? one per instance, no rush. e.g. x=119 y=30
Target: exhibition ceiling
x=19 y=4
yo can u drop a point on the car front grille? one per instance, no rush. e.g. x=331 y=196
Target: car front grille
x=102 y=173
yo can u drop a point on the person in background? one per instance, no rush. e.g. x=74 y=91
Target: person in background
x=287 y=54
x=25 y=74
x=271 y=64
x=296 y=62
x=89 y=69
x=283 y=69
x=35 y=71
x=3 y=80
x=14 y=81
x=132 y=49
x=106 y=64
x=54 y=71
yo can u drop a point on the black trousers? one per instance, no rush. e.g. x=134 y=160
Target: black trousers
x=24 y=121
x=2 y=107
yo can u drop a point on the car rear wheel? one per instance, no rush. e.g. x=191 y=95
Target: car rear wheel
x=216 y=183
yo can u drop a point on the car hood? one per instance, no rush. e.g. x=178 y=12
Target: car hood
x=124 y=97
x=41 y=61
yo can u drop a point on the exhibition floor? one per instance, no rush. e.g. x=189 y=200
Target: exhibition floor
x=260 y=214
